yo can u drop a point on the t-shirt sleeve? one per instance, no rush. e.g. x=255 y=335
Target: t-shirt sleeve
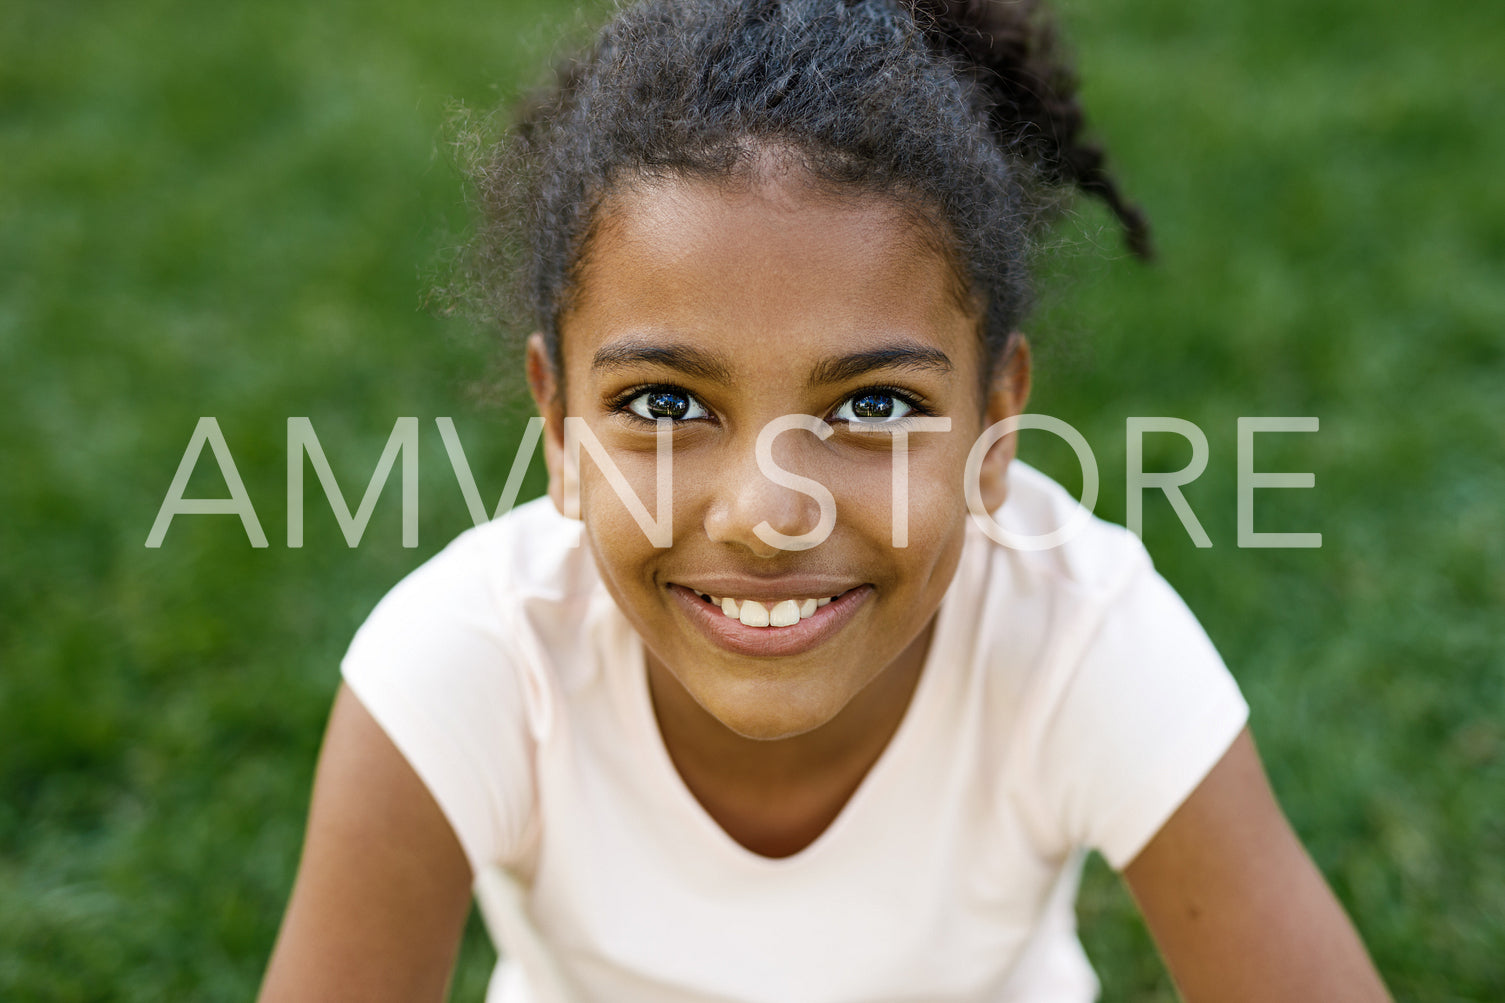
x=1135 y=723
x=432 y=665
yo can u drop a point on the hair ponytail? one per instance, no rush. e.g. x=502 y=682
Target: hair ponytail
x=1011 y=46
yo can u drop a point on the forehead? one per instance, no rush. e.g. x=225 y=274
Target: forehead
x=771 y=263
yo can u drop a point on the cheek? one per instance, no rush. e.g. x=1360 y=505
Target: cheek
x=937 y=519
x=934 y=477
x=619 y=503
x=928 y=485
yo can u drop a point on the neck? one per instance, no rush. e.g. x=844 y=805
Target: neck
x=775 y=796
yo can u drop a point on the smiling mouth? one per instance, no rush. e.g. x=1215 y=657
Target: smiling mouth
x=752 y=613
x=771 y=627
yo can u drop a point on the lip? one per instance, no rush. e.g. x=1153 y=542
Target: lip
x=766 y=590
x=771 y=642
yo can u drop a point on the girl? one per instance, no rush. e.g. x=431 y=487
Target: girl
x=754 y=706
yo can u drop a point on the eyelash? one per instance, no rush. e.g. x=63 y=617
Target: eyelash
x=619 y=403
x=916 y=405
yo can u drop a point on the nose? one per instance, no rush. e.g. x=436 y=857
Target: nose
x=767 y=505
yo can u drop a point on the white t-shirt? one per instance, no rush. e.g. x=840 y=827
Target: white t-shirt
x=1069 y=701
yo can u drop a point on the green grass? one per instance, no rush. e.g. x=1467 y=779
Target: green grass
x=230 y=210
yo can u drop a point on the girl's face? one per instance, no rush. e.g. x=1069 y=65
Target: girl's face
x=724 y=309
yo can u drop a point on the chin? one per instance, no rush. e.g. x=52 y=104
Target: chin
x=768 y=717
x=764 y=730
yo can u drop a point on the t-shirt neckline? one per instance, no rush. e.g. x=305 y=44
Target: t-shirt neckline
x=907 y=740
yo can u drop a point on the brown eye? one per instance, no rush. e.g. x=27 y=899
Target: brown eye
x=873 y=406
x=666 y=402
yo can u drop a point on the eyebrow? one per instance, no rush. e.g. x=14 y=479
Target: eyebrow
x=705 y=365
x=849 y=367
x=686 y=358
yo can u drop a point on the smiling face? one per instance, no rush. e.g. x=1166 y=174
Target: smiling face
x=724 y=308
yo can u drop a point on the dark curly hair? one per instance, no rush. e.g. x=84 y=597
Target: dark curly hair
x=960 y=110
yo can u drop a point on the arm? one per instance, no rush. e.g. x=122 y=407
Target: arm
x=1237 y=908
x=383 y=888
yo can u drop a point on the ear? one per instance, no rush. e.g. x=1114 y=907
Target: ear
x=1008 y=391
x=548 y=396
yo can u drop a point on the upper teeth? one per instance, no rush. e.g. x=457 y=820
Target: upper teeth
x=752 y=613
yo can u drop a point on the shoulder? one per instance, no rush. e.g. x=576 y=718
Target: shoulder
x=474 y=585
x=1116 y=700
x=488 y=612
x=531 y=549
x=1037 y=604
x=1093 y=599
x=1050 y=539
x=452 y=665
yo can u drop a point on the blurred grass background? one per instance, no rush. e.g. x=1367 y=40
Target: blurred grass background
x=234 y=210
